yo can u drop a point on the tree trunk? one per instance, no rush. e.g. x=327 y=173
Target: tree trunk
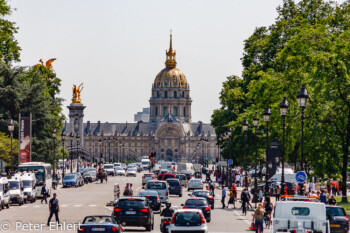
x=345 y=162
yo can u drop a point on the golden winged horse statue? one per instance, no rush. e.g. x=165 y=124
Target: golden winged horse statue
x=76 y=93
x=46 y=64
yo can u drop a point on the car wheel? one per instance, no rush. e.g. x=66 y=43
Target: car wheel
x=180 y=195
x=208 y=220
x=212 y=207
x=188 y=190
x=153 y=225
x=8 y=206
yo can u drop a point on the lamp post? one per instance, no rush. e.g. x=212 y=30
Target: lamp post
x=71 y=151
x=63 y=135
x=11 y=128
x=267 y=119
x=100 y=142
x=109 y=150
x=256 y=124
x=78 y=138
x=53 y=151
x=302 y=101
x=284 y=111
x=105 y=139
x=245 y=126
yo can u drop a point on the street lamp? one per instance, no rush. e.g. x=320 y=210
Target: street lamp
x=71 y=151
x=245 y=126
x=284 y=111
x=109 y=150
x=105 y=143
x=256 y=125
x=78 y=138
x=302 y=101
x=63 y=135
x=11 y=128
x=267 y=119
x=100 y=142
x=53 y=151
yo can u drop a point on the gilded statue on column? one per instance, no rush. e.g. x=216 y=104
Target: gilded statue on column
x=76 y=93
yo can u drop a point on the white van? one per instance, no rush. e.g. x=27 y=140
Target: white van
x=287 y=178
x=145 y=164
x=109 y=168
x=161 y=187
x=28 y=181
x=4 y=193
x=300 y=216
x=16 y=190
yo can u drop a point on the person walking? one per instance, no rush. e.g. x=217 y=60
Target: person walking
x=223 y=194
x=44 y=192
x=54 y=208
x=332 y=200
x=258 y=218
x=323 y=197
x=231 y=200
x=268 y=207
x=261 y=195
x=245 y=197
x=278 y=192
x=131 y=189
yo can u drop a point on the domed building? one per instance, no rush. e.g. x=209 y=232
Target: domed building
x=170 y=131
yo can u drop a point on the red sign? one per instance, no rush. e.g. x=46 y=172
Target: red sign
x=25 y=140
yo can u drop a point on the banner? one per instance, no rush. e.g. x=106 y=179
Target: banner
x=25 y=139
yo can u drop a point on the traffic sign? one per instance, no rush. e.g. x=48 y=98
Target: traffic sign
x=300 y=177
x=230 y=161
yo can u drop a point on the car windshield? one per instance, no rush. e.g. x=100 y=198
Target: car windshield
x=13 y=185
x=117 y=165
x=99 y=220
x=69 y=177
x=131 y=169
x=92 y=170
x=38 y=170
x=173 y=182
x=196 y=202
x=148 y=175
x=196 y=181
x=120 y=169
x=87 y=174
x=27 y=183
x=156 y=185
x=181 y=177
x=201 y=194
x=131 y=202
x=108 y=167
x=335 y=211
x=145 y=162
x=187 y=219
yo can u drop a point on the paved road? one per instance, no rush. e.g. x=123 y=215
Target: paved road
x=91 y=199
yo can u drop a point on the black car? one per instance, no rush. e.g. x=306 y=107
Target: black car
x=339 y=222
x=134 y=211
x=153 y=199
x=205 y=194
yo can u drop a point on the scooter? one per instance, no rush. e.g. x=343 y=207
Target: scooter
x=164 y=225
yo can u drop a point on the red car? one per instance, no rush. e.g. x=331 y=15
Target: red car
x=168 y=175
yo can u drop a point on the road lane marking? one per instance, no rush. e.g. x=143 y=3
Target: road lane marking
x=77 y=205
x=92 y=205
x=63 y=205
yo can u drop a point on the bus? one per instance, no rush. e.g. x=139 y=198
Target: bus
x=42 y=174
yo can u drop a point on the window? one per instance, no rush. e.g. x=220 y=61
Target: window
x=187 y=219
x=96 y=144
x=184 y=111
x=157 y=93
x=165 y=111
x=96 y=150
x=175 y=110
x=183 y=94
x=135 y=144
x=175 y=94
x=156 y=111
x=165 y=94
x=303 y=211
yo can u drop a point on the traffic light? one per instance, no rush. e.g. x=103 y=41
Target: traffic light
x=149 y=155
x=217 y=159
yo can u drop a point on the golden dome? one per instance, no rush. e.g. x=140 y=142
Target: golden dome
x=170 y=77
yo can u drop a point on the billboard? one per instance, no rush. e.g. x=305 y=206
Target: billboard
x=25 y=125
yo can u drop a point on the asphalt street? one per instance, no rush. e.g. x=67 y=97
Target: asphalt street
x=91 y=199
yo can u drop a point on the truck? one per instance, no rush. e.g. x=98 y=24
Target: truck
x=185 y=167
x=28 y=182
x=16 y=190
x=300 y=217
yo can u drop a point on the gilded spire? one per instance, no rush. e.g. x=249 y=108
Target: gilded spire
x=170 y=55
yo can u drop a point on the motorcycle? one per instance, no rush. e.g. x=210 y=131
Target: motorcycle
x=164 y=225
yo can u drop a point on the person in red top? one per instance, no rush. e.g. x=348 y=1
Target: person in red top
x=234 y=190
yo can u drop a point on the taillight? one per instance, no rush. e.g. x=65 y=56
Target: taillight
x=211 y=197
x=202 y=218
x=207 y=208
x=82 y=229
x=185 y=207
x=117 y=209
x=165 y=222
x=347 y=219
x=158 y=198
x=167 y=194
x=143 y=177
x=146 y=211
x=173 y=219
x=131 y=199
x=114 y=229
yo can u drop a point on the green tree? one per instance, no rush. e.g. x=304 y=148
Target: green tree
x=5 y=149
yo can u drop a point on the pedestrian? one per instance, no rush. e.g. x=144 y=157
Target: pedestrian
x=118 y=191
x=278 y=192
x=223 y=196
x=127 y=190
x=131 y=189
x=332 y=200
x=231 y=200
x=312 y=186
x=54 y=208
x=258 y=218
x=245 y=197
x=58 y=177
x=323 y=197
x=44 y=192
x=212 y=187
x=237 y=179
x=261 y=195
x=268 y=207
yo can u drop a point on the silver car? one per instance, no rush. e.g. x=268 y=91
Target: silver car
x=161 y=187
x=195 y=184
x=131 y=172
x=147 y=177
x=119 y=171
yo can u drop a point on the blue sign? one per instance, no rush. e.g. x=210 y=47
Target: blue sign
x=301 y=177
x=230 y=161
x=207 y=158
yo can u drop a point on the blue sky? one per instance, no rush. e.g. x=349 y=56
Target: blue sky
x=117 y=47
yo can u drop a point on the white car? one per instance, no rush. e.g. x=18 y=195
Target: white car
x=119 y=171
x=188 y=220
x=109 y=168
x=195 y=184
x=131 y=172
x=161 y=186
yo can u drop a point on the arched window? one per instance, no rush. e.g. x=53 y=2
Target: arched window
x=184 y=111
x=165 y=94
x=156 y=111
x=175 y=94
x=175 y=111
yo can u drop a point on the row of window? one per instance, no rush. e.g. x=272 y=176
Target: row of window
x=174 y=111
x=210 y=151
x=175 y=94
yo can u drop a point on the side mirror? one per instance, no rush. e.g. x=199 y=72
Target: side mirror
x=182 y=205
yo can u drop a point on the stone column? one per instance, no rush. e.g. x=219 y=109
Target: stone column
x=76 y=120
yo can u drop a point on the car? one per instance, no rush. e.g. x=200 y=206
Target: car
x=167 y=176
x=187 y=173
x=93 y=175
x=82 y=170
x=134 y=211
x=153 y=199
x=88 y=176
x=182 y=178
x=80 y=179
x=161 y=173
x=206 y=194
x=188 y=220
x=174 y=186
x=70 y=180
x=338 y=220
x=195 y=184
x=131 y=172
x=119 y=171
x=146 y=177
x=100 y=223
x=199 y=203
x=115 y=165
x=109 y=168
x=161 y=187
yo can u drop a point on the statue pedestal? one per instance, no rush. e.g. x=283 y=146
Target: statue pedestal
x=76 y=119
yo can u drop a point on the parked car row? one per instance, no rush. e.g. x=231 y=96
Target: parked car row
x=78 y=179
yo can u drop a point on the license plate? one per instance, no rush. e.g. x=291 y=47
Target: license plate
x=335 y=225
x=172 y=188
x=98 y=229
x=130 y=212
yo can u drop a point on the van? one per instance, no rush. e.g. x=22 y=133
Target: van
x=4 y=193
x=145 y=164
x=161 y=187
x=16 y=190
x=109 y=168
x=287 y=178
x=28 y=182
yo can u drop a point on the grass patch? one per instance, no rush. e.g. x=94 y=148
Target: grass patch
x=346 y=206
